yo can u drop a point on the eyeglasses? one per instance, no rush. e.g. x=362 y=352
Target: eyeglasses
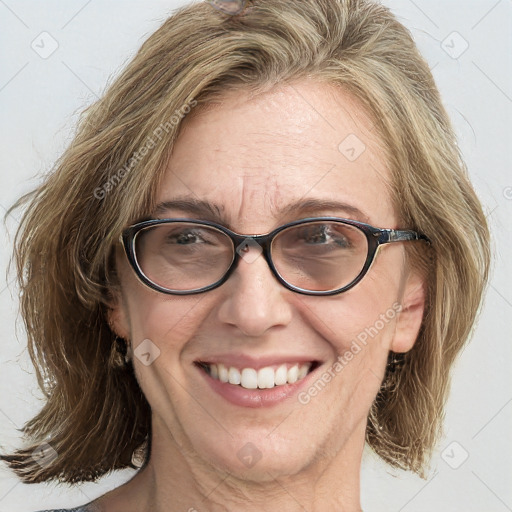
x=313 y=256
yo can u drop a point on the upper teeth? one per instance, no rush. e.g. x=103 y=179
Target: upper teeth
x=267 y=377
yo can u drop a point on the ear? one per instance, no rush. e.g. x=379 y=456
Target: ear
x=411 y=313
x=117 y=314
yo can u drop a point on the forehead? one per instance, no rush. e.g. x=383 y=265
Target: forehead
x=252 y=157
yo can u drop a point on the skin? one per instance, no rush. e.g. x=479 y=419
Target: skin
x=252 y=157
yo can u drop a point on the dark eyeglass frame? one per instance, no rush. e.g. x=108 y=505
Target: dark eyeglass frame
x=375 y=237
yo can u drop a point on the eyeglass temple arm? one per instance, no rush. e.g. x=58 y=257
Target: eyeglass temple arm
x=386 y=236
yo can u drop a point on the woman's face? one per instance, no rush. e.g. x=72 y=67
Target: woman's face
x=305 y=144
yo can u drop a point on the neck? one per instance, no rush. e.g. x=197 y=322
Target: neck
x=176 y=481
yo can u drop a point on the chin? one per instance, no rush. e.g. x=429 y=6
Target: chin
x=258 y=458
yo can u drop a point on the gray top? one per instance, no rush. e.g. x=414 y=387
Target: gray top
x=79 y=509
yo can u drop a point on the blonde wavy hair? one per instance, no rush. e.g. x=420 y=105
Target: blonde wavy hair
x=95 y=416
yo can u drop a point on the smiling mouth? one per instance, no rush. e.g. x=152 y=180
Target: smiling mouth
x=264 y=378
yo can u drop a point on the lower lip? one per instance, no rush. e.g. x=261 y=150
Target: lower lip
x=243 y=397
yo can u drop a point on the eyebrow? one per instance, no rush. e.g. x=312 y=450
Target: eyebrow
x=191 y=205
x=213 y=212
x=313 y=205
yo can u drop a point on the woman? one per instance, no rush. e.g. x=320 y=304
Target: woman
x=260 y=250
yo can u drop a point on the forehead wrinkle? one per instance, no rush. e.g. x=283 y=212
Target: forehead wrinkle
x=292 y=156
x=293 y=141
x=263 y=195
x=283 y=163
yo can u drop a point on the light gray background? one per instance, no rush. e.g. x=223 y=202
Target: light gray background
x=39 y=101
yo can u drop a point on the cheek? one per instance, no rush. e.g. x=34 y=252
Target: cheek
x=359 y=326
x=160 y=328
x=361 y=322
x=167 y=321
x=164 y=320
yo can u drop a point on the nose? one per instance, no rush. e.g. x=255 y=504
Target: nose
x=255 y=300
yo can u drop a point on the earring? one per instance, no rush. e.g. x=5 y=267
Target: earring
x=120 y=354
x=140 y=454
x=396 y=362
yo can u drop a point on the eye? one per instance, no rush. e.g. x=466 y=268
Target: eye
x=184 y=238
x=324 y=234
x=188 y=236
